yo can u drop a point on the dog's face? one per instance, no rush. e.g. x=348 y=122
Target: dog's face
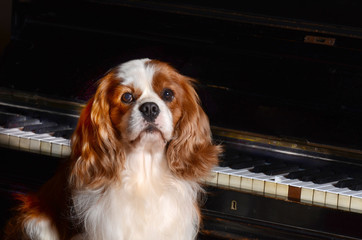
x=146 y=102
x=142 y=105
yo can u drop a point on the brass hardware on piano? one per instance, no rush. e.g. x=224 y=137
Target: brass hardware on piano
x=319 y=40
x=234 y=205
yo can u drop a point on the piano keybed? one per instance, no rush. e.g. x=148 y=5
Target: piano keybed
x=328 y=186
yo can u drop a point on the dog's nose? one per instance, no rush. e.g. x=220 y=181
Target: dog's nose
x=150 y=111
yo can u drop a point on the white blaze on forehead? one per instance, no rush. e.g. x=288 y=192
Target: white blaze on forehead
x=137 y=74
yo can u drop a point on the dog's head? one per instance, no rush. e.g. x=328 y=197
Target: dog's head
x=142 y=105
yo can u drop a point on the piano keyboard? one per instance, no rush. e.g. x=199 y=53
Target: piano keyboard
x=39 y=143
x=321 y=186
x=42 y=135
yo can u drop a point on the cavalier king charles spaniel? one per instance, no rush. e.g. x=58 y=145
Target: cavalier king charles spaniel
x=141 y=148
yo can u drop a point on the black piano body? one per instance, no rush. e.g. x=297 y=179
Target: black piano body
x=281 y=82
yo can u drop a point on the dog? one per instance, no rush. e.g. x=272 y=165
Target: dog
x=141 y=148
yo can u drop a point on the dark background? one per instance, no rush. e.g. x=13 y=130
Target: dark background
x=255 y=70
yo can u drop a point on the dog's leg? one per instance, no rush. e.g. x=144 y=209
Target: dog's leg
x=40 y=228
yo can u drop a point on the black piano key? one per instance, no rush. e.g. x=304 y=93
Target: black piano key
x=357 y=186
x=67 y=133
x=247 y=163
x=313 y=176
x=51 y=129
x=20 y=124
x=330 y=178
x=222 y=163
x=239 y=162
x=229 y=160
x=43 y=124
x=346 y=183
x=281 y=170
x=228 y=157
x=268 y=167
x=300 y=174
x=235 y=159
x=6 y=118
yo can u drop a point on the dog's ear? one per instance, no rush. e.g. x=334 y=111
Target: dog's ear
x=191 y=153
x=96 y=151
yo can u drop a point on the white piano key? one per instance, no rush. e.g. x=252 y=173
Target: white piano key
x=35 y=142
x=66 y=150
x=14 y=138
x=356 y=203
x=319 y=198
x=218 y=169
x=270 y=188
x=319 y=195
x=281 y=186
x=258 y=185
x=310 y=192
x=282 y=190
x=9 y=130
x=235 y=181
x=261 y=181
x=224 y=177
x=212 y=179
x=56 y=146
x=25 y=141
x=306 y=193
x=65 y=147
x=254 y=181
x=349 y=199
x=246 y=183
x=5 y=134
x=319 y=192
x=331 y=200
x=291 y=182
x=231 y=177
x=344 y=202
x=332 y=195
x=46 y=145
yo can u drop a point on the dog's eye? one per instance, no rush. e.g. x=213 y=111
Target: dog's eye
x=127 y=97
x=167 y=95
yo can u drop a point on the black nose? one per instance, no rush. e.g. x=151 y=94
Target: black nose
x=150 y=111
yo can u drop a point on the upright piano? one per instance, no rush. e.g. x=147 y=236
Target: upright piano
x=281 y=82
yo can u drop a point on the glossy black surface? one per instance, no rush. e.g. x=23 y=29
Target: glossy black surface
x=253 y=76
x=271 y=218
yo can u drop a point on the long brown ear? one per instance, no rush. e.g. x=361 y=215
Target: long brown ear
x=96 y=152
x=191 y=154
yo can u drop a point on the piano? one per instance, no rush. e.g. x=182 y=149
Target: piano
x=281 y=82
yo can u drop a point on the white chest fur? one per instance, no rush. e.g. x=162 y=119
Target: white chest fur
x=148 y=203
